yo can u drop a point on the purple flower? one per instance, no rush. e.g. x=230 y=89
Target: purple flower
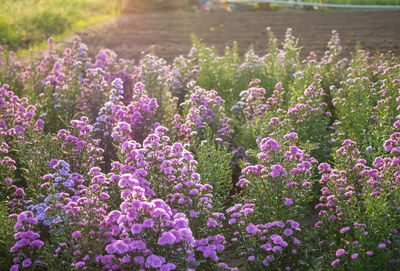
x=154 y=261
x=354 y=256
x=369 y=253
x=194 y=191
x=276 y=248
x=104 y=195
x=139 y=259
x=26 y=262
x=166 y=238
x=288 y=232
x=269 y=143
x=340 y=252
x=251 y=258
x=277 y=239
x=147 y=223
x=211 y=222
x=277 y=170
x=79 y=264
x=136 y=228
x=344 y=229
x=251 y=228
x=168 y=267
x=121 y=247
x=335 y=262
x=293 y=224
x=192 y=213
x=76 y=234
x=288 y=201
x=381 y=245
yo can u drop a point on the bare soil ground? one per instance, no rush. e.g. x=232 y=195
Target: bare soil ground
x=168 y=32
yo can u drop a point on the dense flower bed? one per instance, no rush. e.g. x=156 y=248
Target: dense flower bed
x=207 y=163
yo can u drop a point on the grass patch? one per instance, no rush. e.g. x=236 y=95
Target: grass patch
x=29 y=23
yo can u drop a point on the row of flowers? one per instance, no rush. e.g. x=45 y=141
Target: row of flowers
x=108 y=164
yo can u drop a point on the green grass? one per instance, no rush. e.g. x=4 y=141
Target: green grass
x=28 y=23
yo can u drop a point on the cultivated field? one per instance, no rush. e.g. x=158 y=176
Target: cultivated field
x=275 y=158
x=168 y=33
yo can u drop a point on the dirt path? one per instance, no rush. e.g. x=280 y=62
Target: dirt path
x=168 y=33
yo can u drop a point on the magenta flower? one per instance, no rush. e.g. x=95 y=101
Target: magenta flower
x=104 y=195
x=166 y=238
x=251 y=228
x=354 y=256
x=79 y=264
x=120 y=247
x=136 y=228
x=344 y=229
x=335 y=262
x=147 y=223
x=340 y=252
x=76 y=234
x=26 y=262
x=288 y=201
x=154 y=261
x=288 y=232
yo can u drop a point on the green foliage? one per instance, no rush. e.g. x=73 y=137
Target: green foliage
x=24 y=23
x=6 y=237
x=215 y=168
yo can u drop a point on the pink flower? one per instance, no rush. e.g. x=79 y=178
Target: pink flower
x=354 y=256
x=288 y=201
x=154 y=261
x=147 y=223
x=104 y=195
x=288 y=232
x=79 y=264
x=26 y=262
x=335 y=262
x=166 y=238
x=251 y=228
x=344 y=229
x=136 y=228
x=76 y=234
x=340 y=252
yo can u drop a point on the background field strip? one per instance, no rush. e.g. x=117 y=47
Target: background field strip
x=318 y=4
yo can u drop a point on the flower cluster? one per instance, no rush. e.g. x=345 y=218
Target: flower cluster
x=106 y=164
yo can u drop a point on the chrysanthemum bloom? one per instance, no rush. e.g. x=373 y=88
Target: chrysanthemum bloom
x=288 y=232
x=288 y=201
x=340 y=252
x=335 y=262
x=344 y=229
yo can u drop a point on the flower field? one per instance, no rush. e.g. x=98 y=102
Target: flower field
x=210 y=162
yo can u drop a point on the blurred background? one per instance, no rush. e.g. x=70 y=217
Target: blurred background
x=27 y=24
